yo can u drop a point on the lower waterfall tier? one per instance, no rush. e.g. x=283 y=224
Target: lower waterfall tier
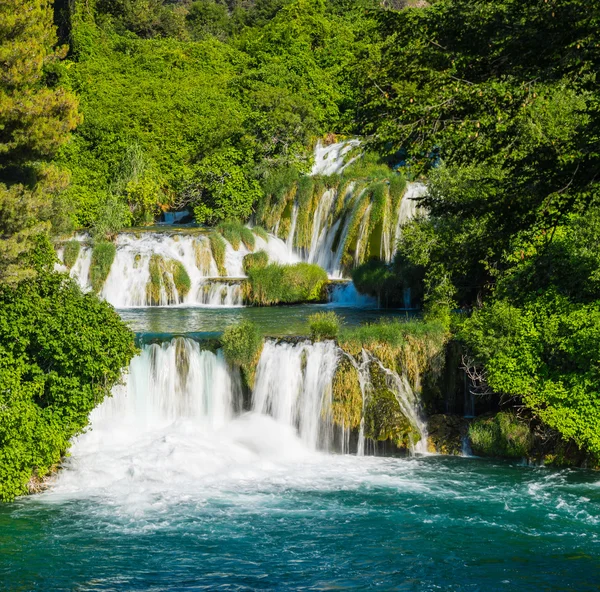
x=296 y=387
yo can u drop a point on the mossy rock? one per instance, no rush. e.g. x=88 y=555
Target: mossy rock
x=168 y=275
x=70 y=253
x=446 y=433
x=347 y=401
x=203 y=256
x=384 y=419
x=503 y=435
x=103 y=255
x=218 y=248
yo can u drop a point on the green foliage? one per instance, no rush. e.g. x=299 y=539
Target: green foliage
x=71 y=252
x=218 y=248
x=168 y=280
x=324 y=325
x=222 y=189
x=545 y=353
x=61 y=352
x=285 y=284
x=36 y=115
x=103 y=255
x=503 y=435
x=242 y=346
x=347 y=398
x=257 y=260
x=181 y=279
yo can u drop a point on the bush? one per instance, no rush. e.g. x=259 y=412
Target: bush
x=324 y=325
x=242 y=346
x=289 y=284
x=70 y=253
x=218 y=248
x=103 y=255
x=503 y=435
x=61 y=352
x=257 y=260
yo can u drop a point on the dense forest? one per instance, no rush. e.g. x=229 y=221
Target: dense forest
x=113 y=111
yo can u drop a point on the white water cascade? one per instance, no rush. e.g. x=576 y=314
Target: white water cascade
x=293 y=384
x=127 y=281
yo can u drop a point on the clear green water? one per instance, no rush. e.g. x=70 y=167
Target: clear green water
x=317 y=523
x=274 y=321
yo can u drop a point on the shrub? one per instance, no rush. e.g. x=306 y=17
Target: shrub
x=257 y=260
x=218 y=248
x=273 y=284
x=242 y=346
x=103 y=255
x=70 y=253
x=324 y=325
x=503 y=435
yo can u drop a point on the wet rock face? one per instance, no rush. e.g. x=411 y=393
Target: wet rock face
x=446 y=433
x=384 y=419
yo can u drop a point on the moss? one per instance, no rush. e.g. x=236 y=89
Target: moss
x=347 y=401
x=218 y=248
x=242 y=346
x=231 y=232
x=154 y=285
x=324 y=325
x=256 y=260
x=305 y=198
x=181 y=279
x=103 y=255
x=411 y=347
x=502 y=435
x=384 y=419
x=285 y=222
x=70 y=253
x=168 y=275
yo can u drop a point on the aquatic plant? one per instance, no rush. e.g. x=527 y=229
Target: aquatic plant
x=260 y=232
x=347 y=399
x=242 y=346
x=218 y=248
x=324 y=325
x=384 y=419
x=103 y=255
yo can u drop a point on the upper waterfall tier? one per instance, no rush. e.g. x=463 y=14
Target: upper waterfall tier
x=336 y=222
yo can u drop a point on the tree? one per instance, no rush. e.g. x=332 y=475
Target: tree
x=35 y=120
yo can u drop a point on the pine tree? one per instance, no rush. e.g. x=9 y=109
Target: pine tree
x=35 y=120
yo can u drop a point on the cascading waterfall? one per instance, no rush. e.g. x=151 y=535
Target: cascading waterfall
x=171 y=381
x=178 y=380
x=293 y=384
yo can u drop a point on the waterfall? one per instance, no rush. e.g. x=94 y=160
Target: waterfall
x=408 y=209
x=332 y=159
x=126 y=285
x=171 y=381
x=293 y=384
